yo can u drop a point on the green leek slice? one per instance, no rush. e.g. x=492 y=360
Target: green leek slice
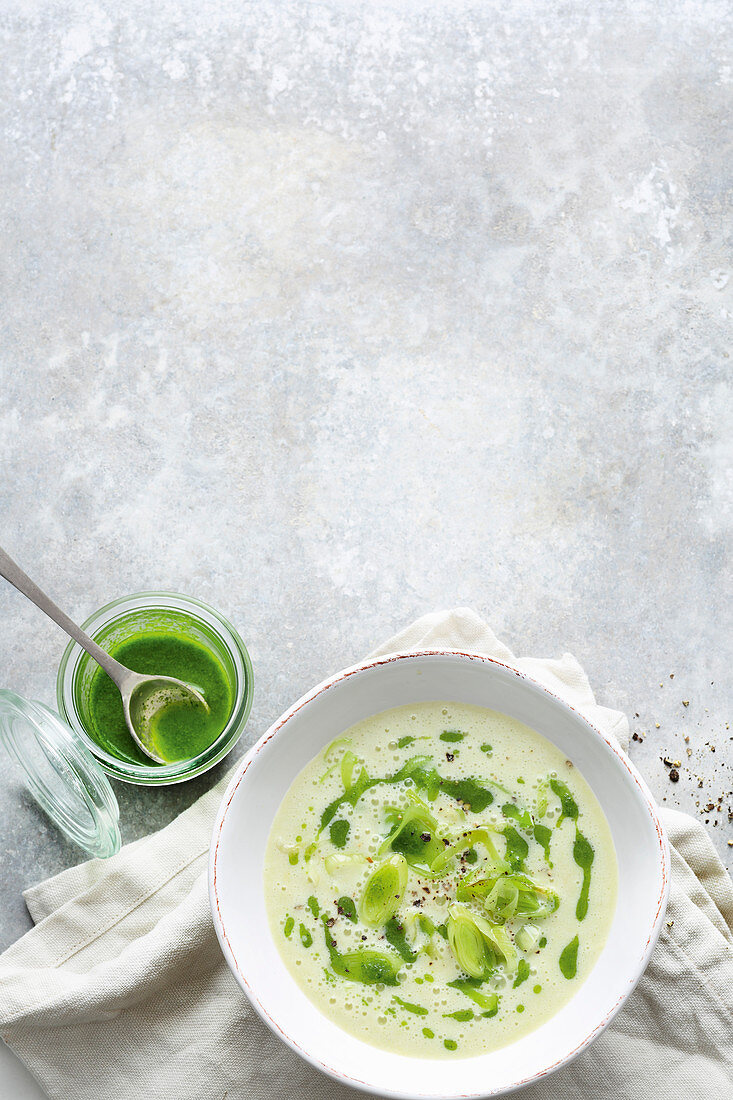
x=383 y=891
x=414 y=835
x=328 y=756
x=331 y=751
x=348 y=762
x=503 y=900
x=527 y=937
x=541 y=803
x=506 y=896
x=469 y=839
x=468 y=944
x=478 y=946
x=343 y=864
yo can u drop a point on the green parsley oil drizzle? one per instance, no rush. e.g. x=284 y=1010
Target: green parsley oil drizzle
x=417 y=1010
x=569 y=959
x=583 y=853
x=363 y=965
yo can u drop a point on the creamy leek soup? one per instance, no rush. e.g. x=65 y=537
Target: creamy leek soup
x=440 y=880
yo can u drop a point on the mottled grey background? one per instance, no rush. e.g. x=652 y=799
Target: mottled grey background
x=333 y=314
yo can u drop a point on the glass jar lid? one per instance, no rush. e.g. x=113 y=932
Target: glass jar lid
x=61 y=774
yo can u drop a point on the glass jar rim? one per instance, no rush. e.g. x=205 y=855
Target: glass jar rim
x=178 y=772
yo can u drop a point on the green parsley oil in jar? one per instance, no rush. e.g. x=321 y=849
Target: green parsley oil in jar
x=165 y=642
x=180 y=732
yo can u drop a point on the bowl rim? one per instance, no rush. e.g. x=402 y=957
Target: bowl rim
x=372 y=662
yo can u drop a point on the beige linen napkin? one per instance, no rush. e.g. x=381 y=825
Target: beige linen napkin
x=121 y=991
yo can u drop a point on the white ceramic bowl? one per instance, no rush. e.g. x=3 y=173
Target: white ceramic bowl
x=265 y=774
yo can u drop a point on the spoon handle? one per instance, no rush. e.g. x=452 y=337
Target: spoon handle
x=20 y=580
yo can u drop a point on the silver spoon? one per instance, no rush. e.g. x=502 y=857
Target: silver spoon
x=143 y=697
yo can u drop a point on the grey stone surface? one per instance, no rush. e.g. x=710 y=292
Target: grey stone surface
x=332 y=314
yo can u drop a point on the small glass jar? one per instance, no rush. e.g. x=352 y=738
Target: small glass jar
x=129 y=616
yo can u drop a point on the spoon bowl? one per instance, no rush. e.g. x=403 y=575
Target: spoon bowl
x=146 y=700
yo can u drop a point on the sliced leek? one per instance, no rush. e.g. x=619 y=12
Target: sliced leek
x=478 y=946
x=506 y=896
x=383 y=891
x=415 y=835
